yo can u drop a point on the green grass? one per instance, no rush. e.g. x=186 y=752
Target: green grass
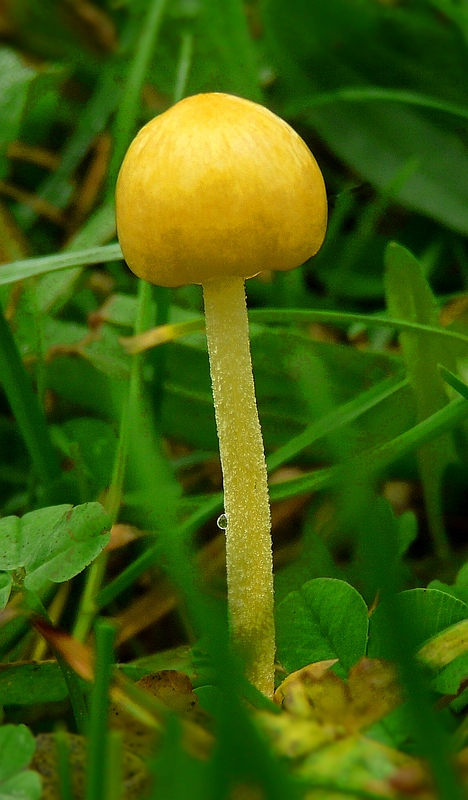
x=360 y=369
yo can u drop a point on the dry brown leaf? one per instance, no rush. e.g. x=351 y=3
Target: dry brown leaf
x=135 y=776
x=286 y=692
x=320 y=707
x=374 y=692
x=78 y=656
x=121 y=535
x=92 y=183
x=40 y=206
x=366 y=766
x=32 y=154
x=170 y=690
x=171 y=687
x=145 y=611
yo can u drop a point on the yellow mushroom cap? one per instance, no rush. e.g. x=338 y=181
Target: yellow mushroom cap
x=218 y=187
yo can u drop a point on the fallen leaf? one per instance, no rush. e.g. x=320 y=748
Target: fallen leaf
x=316 y=692
x=135 y=777
x=79 y=656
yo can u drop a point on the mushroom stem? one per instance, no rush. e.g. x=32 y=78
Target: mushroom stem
x=247 y=508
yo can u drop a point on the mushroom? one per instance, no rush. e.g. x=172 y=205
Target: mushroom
x=211 y=192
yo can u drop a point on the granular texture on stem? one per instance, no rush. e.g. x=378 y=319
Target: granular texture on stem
x=246 y=502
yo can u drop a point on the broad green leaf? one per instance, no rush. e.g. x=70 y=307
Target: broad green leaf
x=65 y=550
x=43 y=105
x=25 y=785
x=16 y=751
x=379 y=140
x=381 y=45
x=450 y=677
x=326 y=618
x=28 y=682
x=224 y=57
x=53 y=544
x=22 y=684
x=430 y=611
x=409 y=296
x=458 y=591
x=6 y=583
x=77 y=380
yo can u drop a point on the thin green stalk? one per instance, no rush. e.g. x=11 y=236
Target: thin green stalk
x=127 y=115
x=75 y=692
x=183 y=67
x=304 y=316
x=30 y=291
x=129 y=575
x=29 y=267
x=88 y=610
x=63 y=764
x=142 y=322
x=439 y=423
x=96 y=772
x=158 y=355
x=431 y=475
x=365 y=94
x=345 y=202
x=96 y=571
x=25 y=407
x=115 y=756
x=335 y=419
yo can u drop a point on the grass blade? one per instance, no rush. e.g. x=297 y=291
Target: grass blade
x=29 y=267
x=25 y=406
